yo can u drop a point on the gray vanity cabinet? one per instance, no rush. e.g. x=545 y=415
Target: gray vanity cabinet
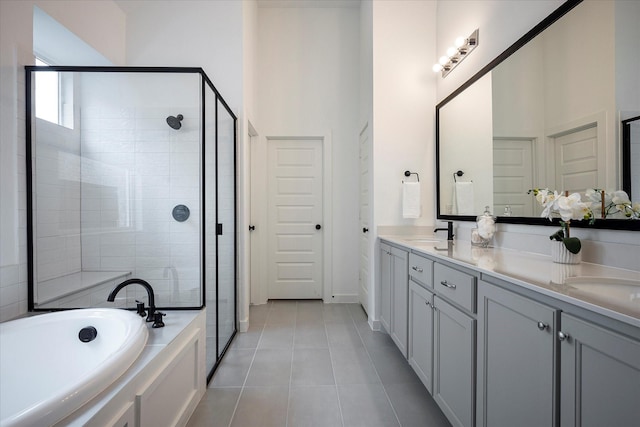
x=394 y=281
x=600 y=376
x=516 y=360
x=385 y=286
x=421 y=333
x=454 y=363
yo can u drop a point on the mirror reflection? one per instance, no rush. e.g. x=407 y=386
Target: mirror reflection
x=548 y=116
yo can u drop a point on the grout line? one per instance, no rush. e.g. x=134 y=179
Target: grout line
x=384 y=388
x=333 y=371
x=244 y=383
x=293 y=340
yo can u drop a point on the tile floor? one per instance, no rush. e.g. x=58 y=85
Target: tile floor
x=304 y=363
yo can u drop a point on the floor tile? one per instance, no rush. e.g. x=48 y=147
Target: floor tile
x=366 y=405
x=391 y=365
x=262 y=406
x=343 y=335
x=311 y=367
x=270 y=367
x=314 y=407
x=353 y=366
x=337 y=313
x=279 y=335
x=310 y=336
x=414 y=406
x=236 y=367
x=249 y=339
x=216 y=408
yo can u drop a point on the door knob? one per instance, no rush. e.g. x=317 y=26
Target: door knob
x=364 y=230
x=318 y=226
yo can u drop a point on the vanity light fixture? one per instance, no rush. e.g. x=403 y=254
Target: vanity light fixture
x=455 y=54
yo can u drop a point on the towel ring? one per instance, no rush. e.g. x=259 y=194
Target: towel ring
x=408 y=173
x=459 y=173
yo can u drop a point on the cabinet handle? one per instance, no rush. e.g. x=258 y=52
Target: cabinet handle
x=562 y=336
x=542 y=326
x=418 y=269
x=450 y=286
x=428 y=304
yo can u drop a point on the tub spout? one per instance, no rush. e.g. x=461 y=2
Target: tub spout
x=147 y=286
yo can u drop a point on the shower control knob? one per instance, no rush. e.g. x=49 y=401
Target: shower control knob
x=318 y=226
x=252 y=228
x=364 y=230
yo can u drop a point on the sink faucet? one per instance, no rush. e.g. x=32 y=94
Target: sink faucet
x=449 y=230
x=152 y=303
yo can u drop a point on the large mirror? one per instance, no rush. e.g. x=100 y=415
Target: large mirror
x=551 y=111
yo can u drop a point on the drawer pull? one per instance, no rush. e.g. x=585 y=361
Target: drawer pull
x=448 y=285
x=418 y=269
x=542 y=326
x=428 y=303
x=562 y=336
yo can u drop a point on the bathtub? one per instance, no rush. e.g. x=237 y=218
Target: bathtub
x=48 y=372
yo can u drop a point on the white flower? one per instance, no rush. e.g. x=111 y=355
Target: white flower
x=570 y=207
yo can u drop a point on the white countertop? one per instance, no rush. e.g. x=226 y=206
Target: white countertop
x=605 y=290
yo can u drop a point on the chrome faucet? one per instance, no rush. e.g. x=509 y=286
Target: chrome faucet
x=152 y=301
x=449 y=230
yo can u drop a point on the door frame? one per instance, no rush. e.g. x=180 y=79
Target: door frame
x=259 y=203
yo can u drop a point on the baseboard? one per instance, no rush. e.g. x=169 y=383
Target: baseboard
x=343 y=299
x=244 y=325
x=375 y=325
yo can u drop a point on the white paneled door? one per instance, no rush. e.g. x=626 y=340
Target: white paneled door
x=577 y=160
x=513 y=176
x=294 y=170
x=365 y=206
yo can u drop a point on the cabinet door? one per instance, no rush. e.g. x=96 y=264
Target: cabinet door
x=516 y=360
x=454 y=363
x=400 y=298
x=385 y=287
x=600 y=376
x=420 y=346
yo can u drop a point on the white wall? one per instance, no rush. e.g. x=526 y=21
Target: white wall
x=403 y=106
x=90 y=21
x=307 y=85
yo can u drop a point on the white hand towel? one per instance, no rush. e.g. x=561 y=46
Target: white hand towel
x=411 y=200
x=464 y=198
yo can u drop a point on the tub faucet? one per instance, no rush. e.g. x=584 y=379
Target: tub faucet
x=449 y=230
x=147 y=286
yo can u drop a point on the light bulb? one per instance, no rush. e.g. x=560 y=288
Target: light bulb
x=443 y=60
x=460 y=41
x=451 y=51
x=437 y=68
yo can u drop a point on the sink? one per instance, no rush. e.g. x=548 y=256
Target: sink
x=608 y=288
x=422 y=240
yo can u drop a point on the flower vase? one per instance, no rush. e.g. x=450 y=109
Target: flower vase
x=561 y=255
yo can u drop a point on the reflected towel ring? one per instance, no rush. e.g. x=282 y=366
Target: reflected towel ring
x=408 y=173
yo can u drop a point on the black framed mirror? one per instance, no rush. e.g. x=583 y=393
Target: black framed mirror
x=550 y=111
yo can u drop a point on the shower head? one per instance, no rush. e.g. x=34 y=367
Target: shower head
x=175 y=122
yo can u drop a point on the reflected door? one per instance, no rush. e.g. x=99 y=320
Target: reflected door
x=513 y=176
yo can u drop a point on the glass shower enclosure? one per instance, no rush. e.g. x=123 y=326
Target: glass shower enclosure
x=131 y=174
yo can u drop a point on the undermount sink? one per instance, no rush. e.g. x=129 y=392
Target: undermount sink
x=614 y=288
x=422 y=240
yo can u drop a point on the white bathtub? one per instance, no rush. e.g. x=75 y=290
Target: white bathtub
x=47 y=372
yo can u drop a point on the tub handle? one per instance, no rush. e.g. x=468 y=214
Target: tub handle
x=157 y=320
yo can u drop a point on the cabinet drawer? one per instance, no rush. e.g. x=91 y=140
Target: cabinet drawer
x=455 y=285
x=421 y=269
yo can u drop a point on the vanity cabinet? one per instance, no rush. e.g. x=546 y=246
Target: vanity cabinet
x=394 y=282
x=516 y=359
x=420 y=351
x=454 y=363
x=600 y=375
